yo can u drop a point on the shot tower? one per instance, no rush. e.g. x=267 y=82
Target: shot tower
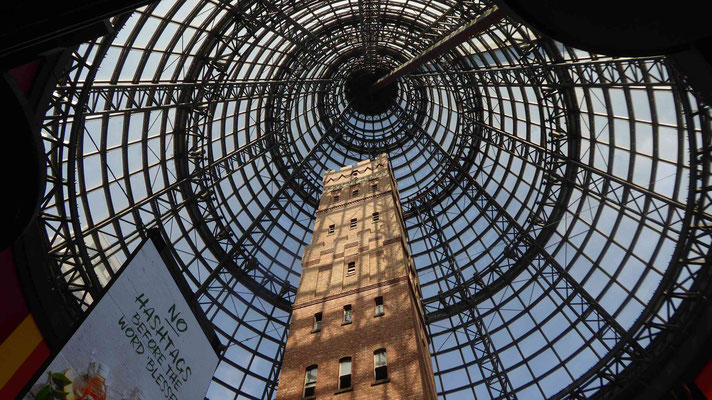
x=357 y=329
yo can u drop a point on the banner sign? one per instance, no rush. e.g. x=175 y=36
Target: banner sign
x=141 y=340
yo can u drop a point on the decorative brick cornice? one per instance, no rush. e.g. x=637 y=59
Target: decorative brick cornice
x=396 y=239
x=353 y=181
x=348 y=203
x=350 y=292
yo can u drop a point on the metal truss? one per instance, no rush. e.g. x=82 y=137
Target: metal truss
x=241 y=258
x=486 y=19
x=450 y=20
x=606 y=73
x=519 y=242
x=684 y=280
x=127 y=98
x=488 y=363
x=370 y=25
x=557 y=202
x=264 y=14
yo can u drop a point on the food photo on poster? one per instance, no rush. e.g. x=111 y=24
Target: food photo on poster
x=140 y=341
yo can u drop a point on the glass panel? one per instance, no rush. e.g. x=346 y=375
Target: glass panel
x=379 y=305
x=317 y=321
x=311 y=375
x=345 y=367
x=379 y=358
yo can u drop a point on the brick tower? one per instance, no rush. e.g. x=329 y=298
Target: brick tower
x=357 y=329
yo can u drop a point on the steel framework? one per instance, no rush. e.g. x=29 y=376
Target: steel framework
x=558 y=203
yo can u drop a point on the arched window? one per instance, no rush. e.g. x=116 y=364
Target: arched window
x=380 y=366
x=345 y=373
x=310 y=381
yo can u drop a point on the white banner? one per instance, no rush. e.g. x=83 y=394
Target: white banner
x=140 y=341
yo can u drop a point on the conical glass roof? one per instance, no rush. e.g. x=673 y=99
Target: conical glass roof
x=556 y=201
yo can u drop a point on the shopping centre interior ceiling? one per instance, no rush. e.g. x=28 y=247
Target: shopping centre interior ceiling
x=556 y=201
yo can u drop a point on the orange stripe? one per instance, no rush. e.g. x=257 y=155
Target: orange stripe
x=17 y=348
x=25 y=372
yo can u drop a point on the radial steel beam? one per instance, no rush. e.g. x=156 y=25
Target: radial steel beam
x=448 y=21
x=126 y=98
x=477 y=25
x=242 y=254
x=235 y=161
x=606 y=73
x=264 y=14
x=599 y=184
x=488 y=362
x=521 y=244
x=369 y=31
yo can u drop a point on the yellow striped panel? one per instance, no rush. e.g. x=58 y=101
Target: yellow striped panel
x=17 y=347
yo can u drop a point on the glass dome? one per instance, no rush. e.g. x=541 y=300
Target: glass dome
x=556 y=201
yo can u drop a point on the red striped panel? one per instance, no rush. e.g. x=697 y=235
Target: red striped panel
x=25 y=75
x=14 y=309
x=704 y=380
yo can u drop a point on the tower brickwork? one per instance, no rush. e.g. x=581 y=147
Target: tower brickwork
x=357 y=329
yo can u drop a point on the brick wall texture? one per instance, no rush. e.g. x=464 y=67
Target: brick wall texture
x=383 y=268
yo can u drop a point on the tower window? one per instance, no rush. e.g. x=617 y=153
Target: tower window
x=380 y=367
x=354 y=193
x=317 y=322
x=332 y=227
x=379 y=306
x=354 y=221
x=345 y=373
x=374 y=187
x=351 y=268
x=347 y=314
x=376 y=216
x=336 y=197
x=310 y=382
